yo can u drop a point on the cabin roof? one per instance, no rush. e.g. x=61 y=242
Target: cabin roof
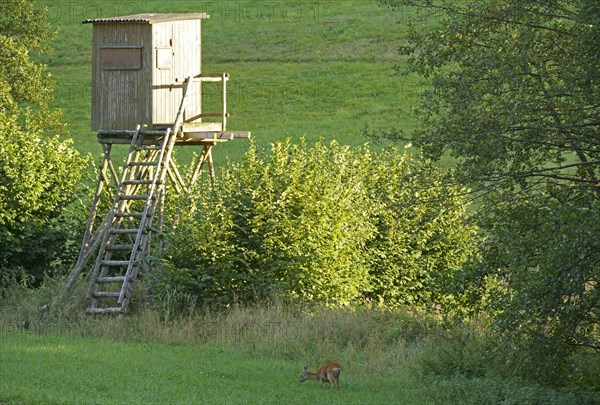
x=148 y=18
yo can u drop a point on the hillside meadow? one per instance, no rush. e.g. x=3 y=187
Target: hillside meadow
x=321 y=69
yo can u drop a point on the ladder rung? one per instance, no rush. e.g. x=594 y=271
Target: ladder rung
x=115 y=279
x=114 y=262
x=129 y=214
x=138 y=182
x=106 y=294
x=124 y=231
x=143 y=163
x=120 y=247
x=133 y=197
x=104 y=310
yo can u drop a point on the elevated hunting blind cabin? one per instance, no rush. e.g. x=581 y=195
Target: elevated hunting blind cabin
x=147 y=94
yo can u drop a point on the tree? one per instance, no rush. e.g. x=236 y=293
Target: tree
x=38 y=171
x=514 y=89
x=23 y=29
x=514 y=103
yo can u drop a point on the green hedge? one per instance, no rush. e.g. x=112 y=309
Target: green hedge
x=327 y=223
x=39 y=225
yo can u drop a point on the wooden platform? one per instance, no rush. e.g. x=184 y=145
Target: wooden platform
x=188 y=136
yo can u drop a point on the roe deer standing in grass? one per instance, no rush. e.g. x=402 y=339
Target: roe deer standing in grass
x=329 y=372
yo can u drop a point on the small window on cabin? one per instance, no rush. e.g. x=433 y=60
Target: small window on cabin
x=121 y=58
x=164 y=58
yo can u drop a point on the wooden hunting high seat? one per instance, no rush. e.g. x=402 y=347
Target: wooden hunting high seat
x=146 y=75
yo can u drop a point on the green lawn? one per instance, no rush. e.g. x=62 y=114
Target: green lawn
x=41 y=369
x=250 y=355
x=298 y=68
x=54 y=369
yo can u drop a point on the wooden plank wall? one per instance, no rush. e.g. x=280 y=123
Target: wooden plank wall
x=121 y=98
x=183 y=38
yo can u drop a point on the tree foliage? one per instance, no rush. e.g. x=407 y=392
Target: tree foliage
x=327 y=224
x=38 y=172
x=514 y=89
x=23 y=29
x=546 y=251
x=37 y=178
x=514 y=103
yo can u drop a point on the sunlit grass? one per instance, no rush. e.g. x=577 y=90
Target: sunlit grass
x=298 y=68
x=246 y=355
x=251 y=354
x=54 y=369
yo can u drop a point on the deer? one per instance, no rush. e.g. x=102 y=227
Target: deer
x=328 y=372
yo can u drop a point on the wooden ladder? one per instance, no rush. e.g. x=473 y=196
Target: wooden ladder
x=125 y=242
x=126 y=239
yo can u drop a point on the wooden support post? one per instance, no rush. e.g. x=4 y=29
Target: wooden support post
x=174 y=181
x=211 y=167
x=224 y=100
x=175 y=177
x=113 y=173
x=198 y=168
x=161 y=212
x=87 y=246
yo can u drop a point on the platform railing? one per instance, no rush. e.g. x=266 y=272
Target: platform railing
x=215 y=77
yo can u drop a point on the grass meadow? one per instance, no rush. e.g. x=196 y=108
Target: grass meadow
x=251 y=354
x=319 y=69
x=75 y=370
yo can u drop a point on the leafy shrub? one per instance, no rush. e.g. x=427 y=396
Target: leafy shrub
x=38 y=173
x=461 y=349
x=38 y=223
x=328 y=224
x=293 y=224
x=423 y=237
x=545 y=252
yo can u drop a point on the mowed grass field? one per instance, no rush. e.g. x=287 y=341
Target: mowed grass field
x=319 y=69
x=53 y=369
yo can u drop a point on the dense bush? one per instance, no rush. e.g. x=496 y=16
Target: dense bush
x=423 y=236
x=328 y=224
x=38 y=177
x=545 y=251
x=38 y=172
